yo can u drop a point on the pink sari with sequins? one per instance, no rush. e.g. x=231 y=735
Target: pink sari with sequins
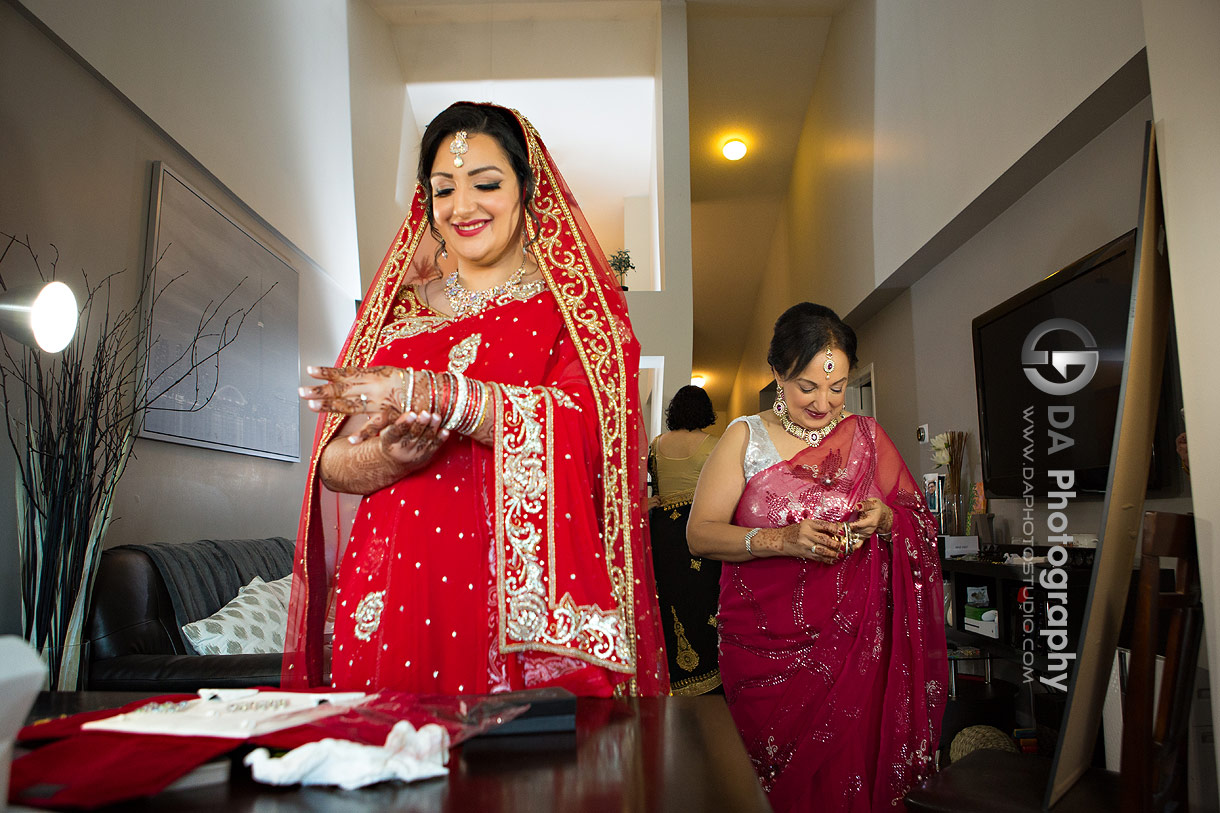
x=836 y=675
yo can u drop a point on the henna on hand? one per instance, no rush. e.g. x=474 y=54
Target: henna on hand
x=359 y=469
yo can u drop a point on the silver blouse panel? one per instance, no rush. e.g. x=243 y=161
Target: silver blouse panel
x=760 y=451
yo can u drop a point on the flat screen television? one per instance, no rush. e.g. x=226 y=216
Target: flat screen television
x=1059 y=344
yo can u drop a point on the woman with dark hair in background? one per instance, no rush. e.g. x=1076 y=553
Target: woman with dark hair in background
x=485 y=409
x=688 y=587
x=832 y=637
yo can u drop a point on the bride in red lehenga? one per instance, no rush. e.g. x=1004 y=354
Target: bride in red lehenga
x=832 y=638
x=485 y=406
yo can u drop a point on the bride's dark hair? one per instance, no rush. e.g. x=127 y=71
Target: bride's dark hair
x=497 y=122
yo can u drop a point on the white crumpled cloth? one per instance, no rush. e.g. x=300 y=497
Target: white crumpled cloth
x=408 y=755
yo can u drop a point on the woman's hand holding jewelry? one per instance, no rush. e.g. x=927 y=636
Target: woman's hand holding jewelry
x=874 y=517
x=812 y=539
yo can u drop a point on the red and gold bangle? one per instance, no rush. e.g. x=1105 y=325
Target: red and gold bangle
x=431 y=391
x=444 y=403
x=486 y=393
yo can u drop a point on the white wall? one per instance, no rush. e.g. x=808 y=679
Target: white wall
x=774 y=297
x=257 y=92
x=830 y=201
x=1184 y=64
x=965 y=88
x=384 y=137
x=663 y=320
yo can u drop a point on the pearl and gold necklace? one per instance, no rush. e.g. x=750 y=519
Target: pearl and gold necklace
x=811 y=436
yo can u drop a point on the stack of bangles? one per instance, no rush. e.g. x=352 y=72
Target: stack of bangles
x=460 y=401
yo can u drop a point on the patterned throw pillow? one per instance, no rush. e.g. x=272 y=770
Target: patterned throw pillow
x=254 y=622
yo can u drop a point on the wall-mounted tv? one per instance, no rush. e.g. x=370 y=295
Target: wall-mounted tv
x=1058 y=345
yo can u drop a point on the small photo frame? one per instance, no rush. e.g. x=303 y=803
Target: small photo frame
x=977 y=595
x=933 y=491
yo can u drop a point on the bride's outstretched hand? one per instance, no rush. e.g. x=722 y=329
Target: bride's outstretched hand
x=357 y=391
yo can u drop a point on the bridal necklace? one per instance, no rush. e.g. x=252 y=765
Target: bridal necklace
x=811 y=436
x=466 y=302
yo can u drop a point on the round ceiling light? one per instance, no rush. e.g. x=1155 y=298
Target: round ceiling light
x=698 y=380
x=734 y=150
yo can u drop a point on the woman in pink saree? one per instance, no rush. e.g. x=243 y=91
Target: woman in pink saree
x=832 y=642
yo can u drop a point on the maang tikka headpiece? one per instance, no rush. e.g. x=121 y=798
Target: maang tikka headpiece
x=829 y=364
x=458 y=147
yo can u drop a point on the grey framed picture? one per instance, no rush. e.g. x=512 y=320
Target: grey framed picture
x=202 y=262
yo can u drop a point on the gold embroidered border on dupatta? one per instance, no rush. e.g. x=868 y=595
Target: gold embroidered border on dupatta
x=589 y=317
x=532 y=618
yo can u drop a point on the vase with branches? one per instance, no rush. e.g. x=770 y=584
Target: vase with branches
x=949 y=450
x=72 y=420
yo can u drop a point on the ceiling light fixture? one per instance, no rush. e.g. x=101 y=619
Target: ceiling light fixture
x=734 y=150
x=698 y=380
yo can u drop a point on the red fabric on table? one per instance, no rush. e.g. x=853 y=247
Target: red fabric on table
x=86 y=769
x=95 y=768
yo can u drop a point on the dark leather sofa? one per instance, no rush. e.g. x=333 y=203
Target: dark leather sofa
x=134 y=624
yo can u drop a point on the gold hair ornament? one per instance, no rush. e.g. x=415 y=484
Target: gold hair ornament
x=459 y=147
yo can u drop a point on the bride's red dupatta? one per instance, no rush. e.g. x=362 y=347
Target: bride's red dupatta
x=595 y=313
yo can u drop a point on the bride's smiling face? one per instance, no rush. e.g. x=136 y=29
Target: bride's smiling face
x=815 y=399
x=477 y=207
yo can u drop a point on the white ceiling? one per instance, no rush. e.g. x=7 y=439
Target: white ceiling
x=752 y=68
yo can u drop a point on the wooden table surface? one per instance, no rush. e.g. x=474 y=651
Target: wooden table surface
x=644 y=754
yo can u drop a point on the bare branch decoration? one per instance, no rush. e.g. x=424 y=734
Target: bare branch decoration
x=72 y=420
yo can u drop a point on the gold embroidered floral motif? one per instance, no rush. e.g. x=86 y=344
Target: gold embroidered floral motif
x=464 y=352
x=687 y=657
x=368 y=614
x=411 y=317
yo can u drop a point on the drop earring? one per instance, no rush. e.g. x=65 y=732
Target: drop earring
x=444 y=250
x=780 y=407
